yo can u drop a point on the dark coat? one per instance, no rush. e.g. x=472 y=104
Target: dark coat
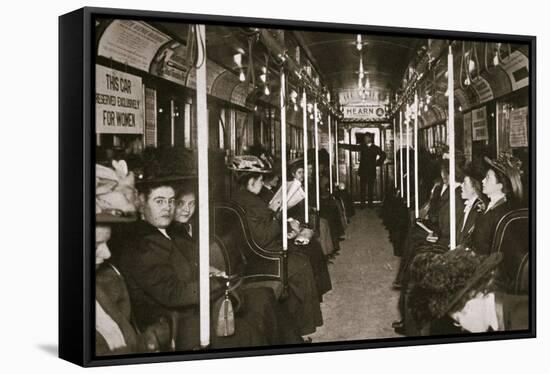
x=162 y=277
x=162 y=274
x=371 y=157
x=266 y=194
x=308 y=278
x=486 y=224
x=266 y=229
x=112 y=295
x=463 y=233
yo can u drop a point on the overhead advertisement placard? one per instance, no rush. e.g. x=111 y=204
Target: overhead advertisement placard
x=171 y=64
x=131 y=42
x=118 y=102
x=517 y=67
x=364 y=113
x=479 y=124
x=518 y=128
x=359 y=96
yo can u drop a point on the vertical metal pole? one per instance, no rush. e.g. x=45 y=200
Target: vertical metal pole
x=416 y=209
x=394 y=152
x=306 y=176
x=407 y=124
x=172 y=123
x=401 y=149
x=337 y=155
x=329 y=154
x=202 y=153
x=451 y=135
x=283 y=159
x=316 y=156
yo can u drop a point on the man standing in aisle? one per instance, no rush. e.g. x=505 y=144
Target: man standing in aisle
x=371 y=157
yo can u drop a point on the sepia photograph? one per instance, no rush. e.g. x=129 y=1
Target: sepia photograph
x=284 y=185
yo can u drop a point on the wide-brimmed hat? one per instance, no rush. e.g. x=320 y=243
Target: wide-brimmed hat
x=249 y=163
x=166 y=166
x=295 y=164
x=115 y=193
x=510 y=166
x=442 y=280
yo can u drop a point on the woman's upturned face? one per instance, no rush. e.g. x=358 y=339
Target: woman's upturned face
x=299 y=174
x=468 y=191
x=185 y=207
x=102 y=252
x=255 y=185
x=490 y=183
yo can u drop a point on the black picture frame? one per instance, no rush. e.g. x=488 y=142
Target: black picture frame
x=76 y=157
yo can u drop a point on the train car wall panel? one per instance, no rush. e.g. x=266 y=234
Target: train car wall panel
x=365 y=80
x=150 y=133
x=132 y=42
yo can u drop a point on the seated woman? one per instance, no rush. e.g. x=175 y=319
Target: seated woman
x=115 y=333
x=306 y=284
x=460 y=284
x=270 y=186
x=260 y=304
x=474 y=205
x=162 y=272
x=503 y=187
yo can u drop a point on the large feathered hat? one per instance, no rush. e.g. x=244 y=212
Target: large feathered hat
x=115 y=194
x=441 y=281
x=510 y=166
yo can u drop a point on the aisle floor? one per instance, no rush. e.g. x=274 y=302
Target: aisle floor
x=362 y=303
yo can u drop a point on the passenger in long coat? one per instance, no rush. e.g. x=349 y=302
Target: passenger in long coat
x=163 y=281
x=371 y=157
x=303 y=299
x=257 y=210
x=115 y=332
x=502 y=185
x=260 y=303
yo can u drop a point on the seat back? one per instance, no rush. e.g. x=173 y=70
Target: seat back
x=244 y=256
x=512 y=240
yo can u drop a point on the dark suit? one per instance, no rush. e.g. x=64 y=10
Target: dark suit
x=371 y=157
x=466 y=228
x=486 y=225
x=162 y=275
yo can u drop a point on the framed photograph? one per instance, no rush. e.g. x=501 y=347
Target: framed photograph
x=234 y=186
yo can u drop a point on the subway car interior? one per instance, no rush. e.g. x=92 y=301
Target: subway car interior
x=406 y=165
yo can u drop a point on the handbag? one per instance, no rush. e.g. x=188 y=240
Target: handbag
x=226 y=307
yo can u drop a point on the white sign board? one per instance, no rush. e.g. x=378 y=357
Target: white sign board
x=131 y=42
x=365 y=113
x=350 y=96
x=518 y=128
x=118 y=102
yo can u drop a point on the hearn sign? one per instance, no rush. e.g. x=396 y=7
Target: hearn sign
x=364 y=113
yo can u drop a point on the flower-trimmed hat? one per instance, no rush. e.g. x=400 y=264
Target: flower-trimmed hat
x=248 y=163
x=510 y=166
x=442 y=281
x=115 y=194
